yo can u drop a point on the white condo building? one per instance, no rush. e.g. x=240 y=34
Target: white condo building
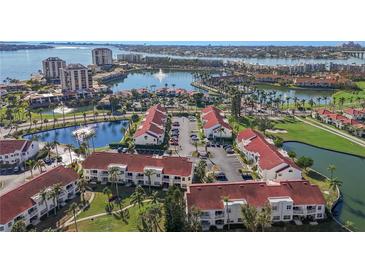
x=288 y=200
x=76 y=77
x=51 y=69
x=16 y=152
x=152 y=128
x=214 y=123
x=271 y=164
x=167 y=171
x=25 y=203
x=102 y=57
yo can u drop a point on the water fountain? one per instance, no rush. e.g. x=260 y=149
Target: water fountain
x=160 y=75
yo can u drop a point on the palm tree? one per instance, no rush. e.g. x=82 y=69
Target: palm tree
x=48 y=148
x=57 y=189
x=44 y=194
x=82 y=183
x=221 y=130
x=154 y=197
x=149 y=173
x=331 y=168
x=249 y=217
x=226 y=200
x=107 y=193
x=39 y=164
x=334 y=183
x=55 y=144
x=19 y=226
x=73 y=208
x=114 y=173
x=138 y=197
x=264 y=217
x=31 y=165
x=69 y=147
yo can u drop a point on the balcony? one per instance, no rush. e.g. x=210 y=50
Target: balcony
x=311 y=211
x=219 y=216
x=205 y=217
x=298 y=212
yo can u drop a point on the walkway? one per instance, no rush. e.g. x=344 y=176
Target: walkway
x=71 y=220
x=337 y=132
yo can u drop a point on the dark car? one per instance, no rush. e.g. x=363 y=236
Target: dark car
x=176 y=124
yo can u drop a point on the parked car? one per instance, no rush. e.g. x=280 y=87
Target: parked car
x=175 y=135
x=230 y=151
x=194 y=138
x=193 y=135
x=176 y=124
x=220 y=176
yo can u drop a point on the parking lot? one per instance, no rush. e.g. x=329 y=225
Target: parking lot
x=227 y=163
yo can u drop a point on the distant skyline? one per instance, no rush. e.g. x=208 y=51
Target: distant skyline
x=214 y=43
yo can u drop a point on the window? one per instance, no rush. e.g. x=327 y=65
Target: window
x=319 y=215
x=158 y=175
x=1 y=228
x=319 y=207
x=183 y=179
x=276 y=218
x=273 y=208
x=287 y=217
x=9 y=224
x=290 y=170
x=239 y=220
x=288 y=207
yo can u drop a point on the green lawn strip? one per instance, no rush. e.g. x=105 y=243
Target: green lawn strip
x=352 y=97
x=112 y=222
x=97 y=206
x=302 y=132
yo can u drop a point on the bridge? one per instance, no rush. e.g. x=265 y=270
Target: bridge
x=355 y=53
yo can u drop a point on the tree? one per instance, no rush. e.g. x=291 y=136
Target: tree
x=193 y=220
x=331 y=168
x=114 y=173
x=200 y=171
x=57 y=189
x=55 y=144
x=292 y=154
x=264 y=217
x=72 y=209
x=107 y=192
x=19 y=226
x=39 y=164
x=226 y=200
x=44 y=194
x=82 y=183
x=30 y=164
x=138 y=197
x=174 y=208
x=69 y=147
x=305 y=162
x=334 y=183
x=250 y=217
x=149 y=173
x=150 y=219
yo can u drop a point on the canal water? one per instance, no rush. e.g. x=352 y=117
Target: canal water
x=349 y=169
x=305 y=94
x=105 y=133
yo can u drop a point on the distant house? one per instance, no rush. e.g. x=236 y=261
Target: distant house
x=271 y=164
x=16 y=152
x=288 y=200
x=168 y=171
x=214 y=123
x=24 y=202
x=152 y=128
x=356 y=114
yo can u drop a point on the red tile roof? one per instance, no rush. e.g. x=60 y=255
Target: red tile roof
x=179 y=166
x=270 y=157
x=210 y=196
x=155 y=116
x=213 y=116
x=18 y=200
x=10 y=146
x=355 y=112
x=324 y=112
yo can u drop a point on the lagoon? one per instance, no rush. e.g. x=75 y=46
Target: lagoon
x=349 y=169
x=105 y=133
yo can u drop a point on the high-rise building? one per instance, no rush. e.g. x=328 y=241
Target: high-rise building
x=51 y=69
x=102 y=57
x=76 y=77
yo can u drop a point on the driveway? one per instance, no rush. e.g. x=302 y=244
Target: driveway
x=185 y=146
x=227 y=163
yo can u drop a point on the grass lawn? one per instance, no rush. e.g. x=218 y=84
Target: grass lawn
x=111 y=223
x=302 y=132
x=352 y=98
x=98 y=204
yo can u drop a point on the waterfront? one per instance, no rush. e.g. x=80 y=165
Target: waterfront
x=349 y=169
x=22 y=63
x=105 y=133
